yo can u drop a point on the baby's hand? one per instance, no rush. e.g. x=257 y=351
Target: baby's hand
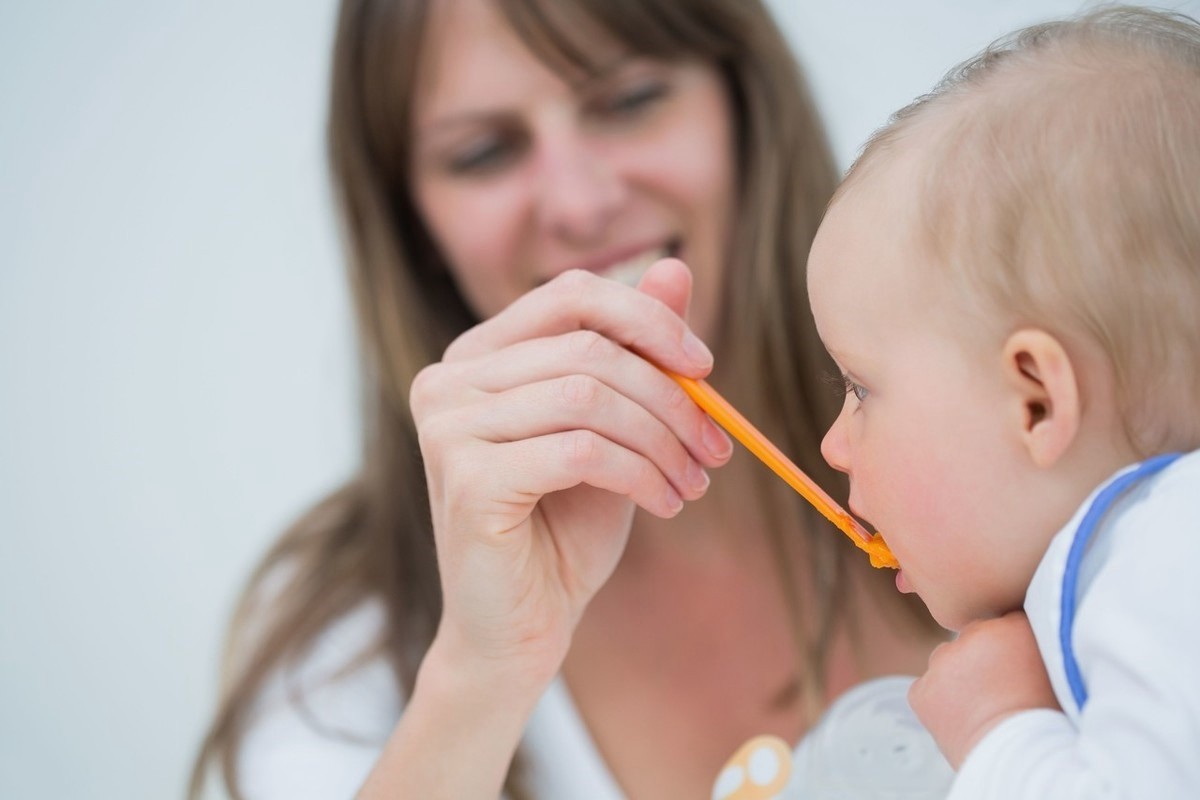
x=991 y=671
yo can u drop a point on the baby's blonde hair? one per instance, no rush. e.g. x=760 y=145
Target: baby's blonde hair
x=1060 y=187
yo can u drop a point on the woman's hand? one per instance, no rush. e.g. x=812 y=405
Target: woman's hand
x=541 y=429
x=991 y=671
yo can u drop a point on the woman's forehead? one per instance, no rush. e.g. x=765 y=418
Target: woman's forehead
x=473 y=53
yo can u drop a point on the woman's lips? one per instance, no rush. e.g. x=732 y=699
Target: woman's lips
x=631 y=270
x=628 y=265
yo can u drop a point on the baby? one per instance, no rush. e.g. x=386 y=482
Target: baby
x=1009 y=280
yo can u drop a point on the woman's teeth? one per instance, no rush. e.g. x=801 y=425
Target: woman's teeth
x=631 y=270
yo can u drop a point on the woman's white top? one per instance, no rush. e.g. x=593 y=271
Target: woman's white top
x=319 y=729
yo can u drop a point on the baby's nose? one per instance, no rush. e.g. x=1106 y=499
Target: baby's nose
x=834 y=446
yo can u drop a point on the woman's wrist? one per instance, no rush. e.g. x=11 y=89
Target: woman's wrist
x=451 y=666
x=460 y=727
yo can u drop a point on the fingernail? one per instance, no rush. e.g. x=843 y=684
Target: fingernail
x=715 y=440
x=697 y=478
x=674 y=501
x=696 y=350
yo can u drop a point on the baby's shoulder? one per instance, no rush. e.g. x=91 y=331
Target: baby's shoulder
x=1163 y=513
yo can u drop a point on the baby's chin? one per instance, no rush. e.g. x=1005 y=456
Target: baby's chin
x=952 y=619
x=950 y=612
x=953 y=624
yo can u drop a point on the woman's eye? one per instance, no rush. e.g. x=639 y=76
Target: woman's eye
x=631 y=101
x=484 y=156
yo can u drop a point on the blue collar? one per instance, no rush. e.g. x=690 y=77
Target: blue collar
x=1083 y=535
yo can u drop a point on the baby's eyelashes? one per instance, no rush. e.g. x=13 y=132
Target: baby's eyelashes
x=843 y=384
x=854 y=388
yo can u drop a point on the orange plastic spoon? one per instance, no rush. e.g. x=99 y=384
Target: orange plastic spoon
x=740 y=428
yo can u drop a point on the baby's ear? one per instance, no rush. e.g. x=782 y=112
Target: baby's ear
x=1045 y=393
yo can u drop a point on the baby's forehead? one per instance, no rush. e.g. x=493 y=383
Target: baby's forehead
x=902 y=201
x=885 y=196
x=892 y=172
x=874 y=230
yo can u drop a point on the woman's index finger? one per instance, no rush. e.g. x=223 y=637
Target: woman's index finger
x=580 y=300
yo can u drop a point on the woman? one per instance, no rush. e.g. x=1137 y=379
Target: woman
x=497 y=162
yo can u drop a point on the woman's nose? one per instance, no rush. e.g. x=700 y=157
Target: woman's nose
x=580 y=190
x=834 y=447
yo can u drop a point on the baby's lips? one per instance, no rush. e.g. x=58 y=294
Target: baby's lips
x=875 y=547
x=880 y=553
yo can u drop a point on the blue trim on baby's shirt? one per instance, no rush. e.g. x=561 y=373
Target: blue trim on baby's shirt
x=1083 y=535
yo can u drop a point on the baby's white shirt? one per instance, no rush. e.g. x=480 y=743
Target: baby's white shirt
x=1136 y=638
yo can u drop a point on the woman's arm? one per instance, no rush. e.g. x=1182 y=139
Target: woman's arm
x=458 y=733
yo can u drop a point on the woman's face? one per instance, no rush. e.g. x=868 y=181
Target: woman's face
x=522 y=172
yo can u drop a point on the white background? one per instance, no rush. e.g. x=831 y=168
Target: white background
x=176 y=364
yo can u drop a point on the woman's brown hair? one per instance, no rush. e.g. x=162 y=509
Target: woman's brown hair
x=372 y=539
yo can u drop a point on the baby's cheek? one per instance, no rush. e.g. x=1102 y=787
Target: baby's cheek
x=915 y=518
x=911 y=496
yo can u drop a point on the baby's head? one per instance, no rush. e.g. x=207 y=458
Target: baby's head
x=1010 y=279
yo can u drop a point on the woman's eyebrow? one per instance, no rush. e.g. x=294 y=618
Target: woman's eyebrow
x=459 y=118
x=580 y=84
x=600 y=72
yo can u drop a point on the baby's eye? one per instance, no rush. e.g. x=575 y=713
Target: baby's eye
x=852 y=387
x=843 y=384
